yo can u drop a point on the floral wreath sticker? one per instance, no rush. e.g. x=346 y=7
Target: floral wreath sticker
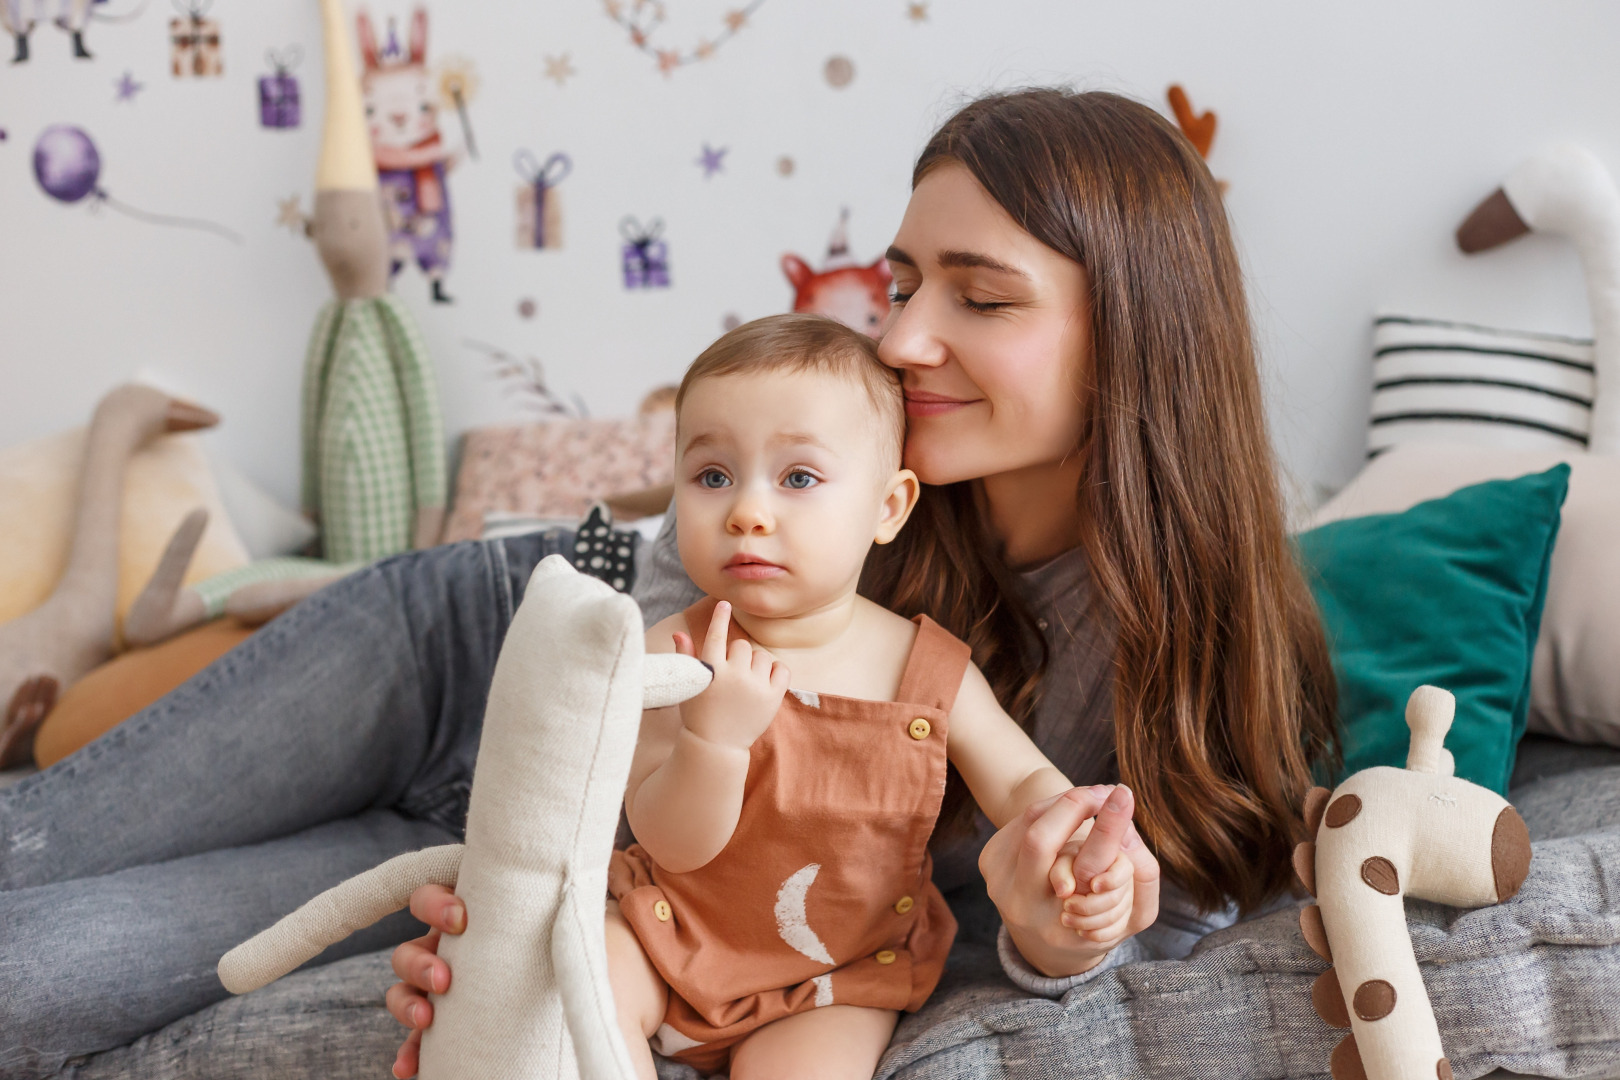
x=642 y=19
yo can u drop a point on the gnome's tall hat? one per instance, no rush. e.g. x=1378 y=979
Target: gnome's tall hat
x=348 y=227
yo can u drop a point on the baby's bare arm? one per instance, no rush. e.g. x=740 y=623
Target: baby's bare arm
x=1002 y=767
x=686 y=780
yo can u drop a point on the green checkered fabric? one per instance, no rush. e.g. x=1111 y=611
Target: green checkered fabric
x=373 y=436
x=217 y=589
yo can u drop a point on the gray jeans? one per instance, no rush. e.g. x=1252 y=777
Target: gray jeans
x=338 y=736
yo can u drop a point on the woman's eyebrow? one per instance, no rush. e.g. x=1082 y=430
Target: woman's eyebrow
x=953 y=259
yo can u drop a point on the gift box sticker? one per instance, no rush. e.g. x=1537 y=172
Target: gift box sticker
x=278 y=92
x=539 y=210
x=194 y=49
x=644 y=256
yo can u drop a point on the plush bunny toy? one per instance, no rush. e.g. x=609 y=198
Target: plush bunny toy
x=1381 y=835
x=531 y=996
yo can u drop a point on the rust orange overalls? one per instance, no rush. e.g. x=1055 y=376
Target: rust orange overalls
x=823 y=894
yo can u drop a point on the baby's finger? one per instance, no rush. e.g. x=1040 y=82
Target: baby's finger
x=1108 y=936
x=760 y=663
x=1099 y=921
x=1115 y=877
x=1062 y=873
x=781 y=677
x=1096 y=903
x=683 y=644
x=714 y=642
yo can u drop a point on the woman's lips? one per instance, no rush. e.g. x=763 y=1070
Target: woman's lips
x=752 y=568
x=922 y=403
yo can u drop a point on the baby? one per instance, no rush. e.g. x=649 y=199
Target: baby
x=777 y=910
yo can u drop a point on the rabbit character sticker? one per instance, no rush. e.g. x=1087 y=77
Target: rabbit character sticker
x=402 y=113
x=855 y=295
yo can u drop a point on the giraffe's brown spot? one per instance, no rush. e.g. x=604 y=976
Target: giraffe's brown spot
x=1510 y=853
x=1343 y=811
x=1305 y=865
x=1381 y=874
x=1375 y=999
x=1310 y=925
x=1315 y=801
x=1442 y=1069
x=1346 y=1061
x=1328 y=999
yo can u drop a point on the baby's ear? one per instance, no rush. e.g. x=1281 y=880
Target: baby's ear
x=670 y=678
x=901 y=499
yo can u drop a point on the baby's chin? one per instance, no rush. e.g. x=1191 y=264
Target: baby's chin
x=772 y=599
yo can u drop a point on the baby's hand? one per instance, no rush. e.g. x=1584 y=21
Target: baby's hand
x=746 y=692
x=1100 y=909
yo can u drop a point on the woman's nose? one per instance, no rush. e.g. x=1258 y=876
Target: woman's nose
x=909 y=340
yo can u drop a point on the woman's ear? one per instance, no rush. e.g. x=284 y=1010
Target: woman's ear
x=899 y=501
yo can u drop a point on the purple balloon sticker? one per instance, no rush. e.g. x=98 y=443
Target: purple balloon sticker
x=66 y=163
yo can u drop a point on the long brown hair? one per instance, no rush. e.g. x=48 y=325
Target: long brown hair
x=1223 y=689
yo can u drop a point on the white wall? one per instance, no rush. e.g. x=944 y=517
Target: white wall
x=1354 y=136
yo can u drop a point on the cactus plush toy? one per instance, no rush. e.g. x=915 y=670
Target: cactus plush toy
x=531 y=996
x=1382 y=835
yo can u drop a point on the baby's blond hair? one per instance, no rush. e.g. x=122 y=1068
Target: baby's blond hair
x=798 y=343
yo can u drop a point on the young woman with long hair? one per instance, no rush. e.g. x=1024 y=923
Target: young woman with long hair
x=1102 y=522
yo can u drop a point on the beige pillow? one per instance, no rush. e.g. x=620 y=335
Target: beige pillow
x=163 y=483
x=1575 y=677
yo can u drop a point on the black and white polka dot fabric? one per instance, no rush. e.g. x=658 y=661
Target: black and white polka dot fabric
x=604 y=552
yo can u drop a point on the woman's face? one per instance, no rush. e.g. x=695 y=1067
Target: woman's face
x=990 y=330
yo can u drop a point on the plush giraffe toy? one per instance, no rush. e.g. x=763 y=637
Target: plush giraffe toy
x=1382 y=835
x=531 y=997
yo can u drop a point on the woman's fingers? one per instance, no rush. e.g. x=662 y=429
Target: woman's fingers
x=1102 y=847
x=1145 y=882
x=1046 y=834
x=418 y=964
x=409 y=1057
x=439 y=908
x=714 y=642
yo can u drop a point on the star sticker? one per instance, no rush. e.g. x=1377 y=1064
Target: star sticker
x=290 y=213
x=736 y=20
x=668 y=60
x=704 y=50
x=615 y=8
x=559 y=69
x=917 y=12
x=127 y=87
x=712 y=160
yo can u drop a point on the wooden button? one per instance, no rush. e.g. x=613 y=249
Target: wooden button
x=884 y=956
x=903 y=905
x=661 y=909
x=920 y=729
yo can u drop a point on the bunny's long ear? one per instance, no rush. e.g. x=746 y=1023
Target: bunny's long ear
x=670 y=678
x=419 y=36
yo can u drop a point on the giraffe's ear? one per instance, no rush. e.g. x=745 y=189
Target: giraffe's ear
x=670 y=678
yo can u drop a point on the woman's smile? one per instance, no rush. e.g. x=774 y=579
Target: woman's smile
x=921 y=403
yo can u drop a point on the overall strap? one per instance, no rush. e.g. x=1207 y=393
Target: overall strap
x=935 y=668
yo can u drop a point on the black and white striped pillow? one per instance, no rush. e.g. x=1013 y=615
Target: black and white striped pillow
x=1437 y=381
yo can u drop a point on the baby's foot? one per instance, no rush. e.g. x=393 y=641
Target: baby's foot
x=29 y=706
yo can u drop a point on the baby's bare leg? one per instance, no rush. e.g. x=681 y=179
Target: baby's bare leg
x=639 y=992
x=834 y=1042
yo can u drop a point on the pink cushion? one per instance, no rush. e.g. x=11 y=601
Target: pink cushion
x=557 y=469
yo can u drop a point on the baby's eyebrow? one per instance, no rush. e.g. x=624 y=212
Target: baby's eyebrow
x=699 y=441
x=800 y=438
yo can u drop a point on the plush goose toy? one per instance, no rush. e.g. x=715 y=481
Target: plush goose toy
x=1565 y=190
x=531 y=996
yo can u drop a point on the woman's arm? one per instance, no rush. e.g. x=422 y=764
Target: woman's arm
x=686 y=780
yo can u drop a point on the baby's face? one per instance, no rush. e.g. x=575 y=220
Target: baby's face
x=782 y=484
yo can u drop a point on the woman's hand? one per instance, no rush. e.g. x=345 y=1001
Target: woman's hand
x=745 y=693
x=418 y=963
x=1033 y=864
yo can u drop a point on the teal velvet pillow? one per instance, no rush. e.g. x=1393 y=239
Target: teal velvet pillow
x=1448 y=593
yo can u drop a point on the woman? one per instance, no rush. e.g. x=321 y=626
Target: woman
x=1104 y=527
x=1071 y=329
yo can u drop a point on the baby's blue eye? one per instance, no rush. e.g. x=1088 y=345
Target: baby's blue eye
x=798 y=480
x=713 y=478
